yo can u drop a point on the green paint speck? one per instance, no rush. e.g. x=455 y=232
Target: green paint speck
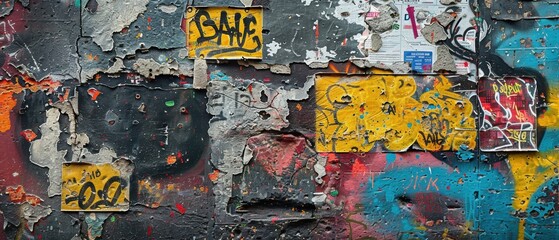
x=77 y=3
x=334 y=193
x=170 y=103
x=113 y=219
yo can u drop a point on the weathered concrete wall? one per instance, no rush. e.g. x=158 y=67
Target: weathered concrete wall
x=293 y=119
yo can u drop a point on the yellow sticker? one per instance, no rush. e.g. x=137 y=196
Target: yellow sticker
x=224 y=32
x=357 y=113
x=96 y=187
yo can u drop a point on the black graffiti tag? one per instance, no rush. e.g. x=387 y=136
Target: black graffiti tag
x=237 y=39
x=106 y=200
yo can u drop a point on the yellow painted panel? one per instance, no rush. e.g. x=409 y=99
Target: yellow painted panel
x=224 y=32
x=91 y=187
x=357 y=113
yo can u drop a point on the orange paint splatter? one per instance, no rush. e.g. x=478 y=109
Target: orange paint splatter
x=28 y=134
x=94 y=93
x=214 y=176
x=299 y=107
x=18 y=195
x=171 y=159
x=8 y=88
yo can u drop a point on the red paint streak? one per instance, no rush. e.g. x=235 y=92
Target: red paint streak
x=183 y=25
x=274 y=220
x=179 y=156
x=94 y=93
x=180 y=208
x=18 y=195
x=150 y=230
x=28 y=134
x=411 y=13
x=358 y=167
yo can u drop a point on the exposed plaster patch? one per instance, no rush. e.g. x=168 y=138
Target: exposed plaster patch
x=117 y=66
x=150 y=68
x=44 y=151
x=384 y=18
x=280 y=69
x=200 y=74
x=445 y=18
x=434 y=33
x=111 y=17
x=257 y=65
x=167 y=8
x=444 y=61
x=376 y=42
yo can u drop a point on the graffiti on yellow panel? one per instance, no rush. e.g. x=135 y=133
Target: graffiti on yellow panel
x=224 y=33
x=356 y=113
x=96 y=187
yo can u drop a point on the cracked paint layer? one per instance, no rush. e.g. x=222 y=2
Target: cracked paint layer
x=101 y=22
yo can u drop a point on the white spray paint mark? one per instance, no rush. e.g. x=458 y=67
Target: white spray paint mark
x=273 y=48
x=307 y=2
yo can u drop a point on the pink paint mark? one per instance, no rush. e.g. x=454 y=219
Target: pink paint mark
x=316 y=32
x=411 y=13
x=180 y=208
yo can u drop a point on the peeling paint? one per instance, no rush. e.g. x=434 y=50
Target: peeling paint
x=102 y=23
x=305 y=119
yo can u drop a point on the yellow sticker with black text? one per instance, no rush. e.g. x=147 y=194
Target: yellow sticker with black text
x=96 y=187
x=224 y=32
